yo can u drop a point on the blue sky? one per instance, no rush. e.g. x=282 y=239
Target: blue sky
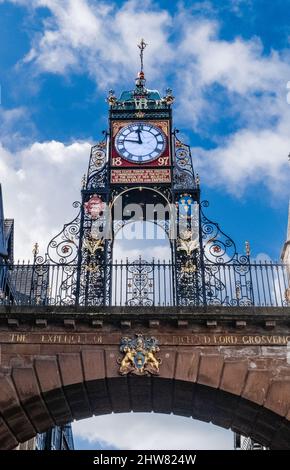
x=227 y=63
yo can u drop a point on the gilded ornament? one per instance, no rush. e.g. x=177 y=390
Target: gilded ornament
x=102 y=145
x=111 y=99
x=93 y=245
x=179 y=144
x=139 y=114
x=186 y=243
x=188 y=268
x=139 y=356
x=92 y=268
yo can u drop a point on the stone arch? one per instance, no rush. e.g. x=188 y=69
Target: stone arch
x=45 y=390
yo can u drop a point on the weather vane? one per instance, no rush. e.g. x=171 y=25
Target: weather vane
x=142 y=46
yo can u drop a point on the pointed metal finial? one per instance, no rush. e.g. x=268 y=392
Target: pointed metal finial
x=248 y=248
x=35 y=250
x=142 y=46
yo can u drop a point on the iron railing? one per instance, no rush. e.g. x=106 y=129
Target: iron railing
x=142 y=283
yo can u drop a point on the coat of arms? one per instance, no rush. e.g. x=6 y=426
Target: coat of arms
x=139 y=356
x=94 y=207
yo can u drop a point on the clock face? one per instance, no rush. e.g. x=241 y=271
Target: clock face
x=140 y=142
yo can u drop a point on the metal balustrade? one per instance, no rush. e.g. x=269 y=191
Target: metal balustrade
x=143 y=283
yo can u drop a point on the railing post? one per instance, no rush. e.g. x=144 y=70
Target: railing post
x=121 y=283
x=173 y=275
x=153 y=281
x=127 y=286
x=248 y=256
x=201 y=260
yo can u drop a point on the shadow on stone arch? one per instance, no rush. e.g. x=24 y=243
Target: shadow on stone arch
x=141 y=394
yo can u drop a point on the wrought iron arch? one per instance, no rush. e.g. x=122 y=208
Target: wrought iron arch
x=122 y=225
x=166 y=225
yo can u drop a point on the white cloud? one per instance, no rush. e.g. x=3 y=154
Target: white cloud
x=139 y=431
x=15 y=127
x=237 y=72
x=248 y=157
x=253 y=86
x=213 y=78
x=98 y=39
x=40 y=183
x=238 y=65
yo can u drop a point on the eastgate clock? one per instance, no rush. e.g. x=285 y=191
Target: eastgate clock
x=140 y=142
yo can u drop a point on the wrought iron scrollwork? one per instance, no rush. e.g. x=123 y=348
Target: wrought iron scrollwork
x=97 y=178
x=77 y=267
x=63 y=248
x=94 y=260
x=140 y=284
x=183 y=173
x=80 y=249
x=188 y=254
x=218 y=247
x=95 y=254
x=62 y=256
x=225 y=271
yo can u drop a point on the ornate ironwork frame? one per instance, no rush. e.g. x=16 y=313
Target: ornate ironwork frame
x=200 y=250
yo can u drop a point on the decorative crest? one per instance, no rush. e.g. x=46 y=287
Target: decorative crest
x=139 y=356
x=142 y=46
x=94 y=207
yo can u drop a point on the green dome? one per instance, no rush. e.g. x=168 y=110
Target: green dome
x=153 y=95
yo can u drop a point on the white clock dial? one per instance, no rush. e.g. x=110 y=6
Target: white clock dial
x=140 y=142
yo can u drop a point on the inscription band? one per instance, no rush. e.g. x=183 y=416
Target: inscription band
x=164 y=339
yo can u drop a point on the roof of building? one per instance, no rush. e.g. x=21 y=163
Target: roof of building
x=140 y=97
x=6 y=233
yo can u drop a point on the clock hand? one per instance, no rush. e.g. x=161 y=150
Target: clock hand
x=139 y=135
x=130 y=140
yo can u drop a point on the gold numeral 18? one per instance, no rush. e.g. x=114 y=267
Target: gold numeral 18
x=116 y=161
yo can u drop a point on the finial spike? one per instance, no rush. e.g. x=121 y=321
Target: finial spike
x=142 y=46
x=35 y=250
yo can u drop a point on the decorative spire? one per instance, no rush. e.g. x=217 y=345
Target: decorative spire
x=140 y=81
x=142 y=46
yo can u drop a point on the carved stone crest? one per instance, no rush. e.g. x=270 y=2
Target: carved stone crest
x=139 y=356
